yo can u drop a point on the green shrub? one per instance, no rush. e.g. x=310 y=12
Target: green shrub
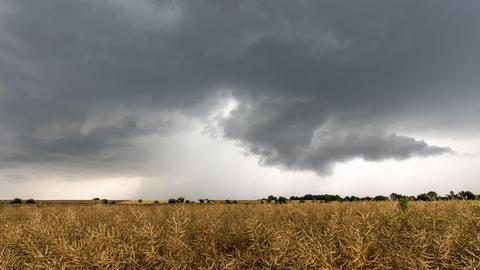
x=403 y=203
x=172 y=201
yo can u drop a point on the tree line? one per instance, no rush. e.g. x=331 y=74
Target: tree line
x=428 y=196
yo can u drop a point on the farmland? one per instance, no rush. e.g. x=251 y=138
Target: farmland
x=312 y=235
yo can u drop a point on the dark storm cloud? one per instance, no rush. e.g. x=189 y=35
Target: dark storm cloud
x=81 y=79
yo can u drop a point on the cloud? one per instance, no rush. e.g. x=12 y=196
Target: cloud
x=85 y=81
x=300 y=135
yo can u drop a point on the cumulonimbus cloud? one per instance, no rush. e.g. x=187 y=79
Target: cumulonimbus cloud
x=85 y=79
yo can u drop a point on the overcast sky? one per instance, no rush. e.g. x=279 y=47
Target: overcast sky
x=238 y=99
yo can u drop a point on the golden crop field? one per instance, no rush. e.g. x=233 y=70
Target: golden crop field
x=359 y=235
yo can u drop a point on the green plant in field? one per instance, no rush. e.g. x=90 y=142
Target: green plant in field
x=403 y=203
x=156 y=202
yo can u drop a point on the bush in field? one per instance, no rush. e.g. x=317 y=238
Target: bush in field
x=156 y=202
x=228 y=202
x=104 y=201
x=30 y=201
x=201 y=201
x=403 y=203
x=113 y=202
x=16 y=201
x=140 y=201
x=172 y=201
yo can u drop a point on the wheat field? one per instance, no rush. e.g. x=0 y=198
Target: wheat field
x=359 y=235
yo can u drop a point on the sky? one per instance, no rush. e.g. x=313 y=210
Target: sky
x=238 y=99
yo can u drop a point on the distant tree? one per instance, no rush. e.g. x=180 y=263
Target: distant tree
x=180 y=200
x=380 y=198
x=395 y=196
x=281 y=199
x=262 y=201
x=466 y=195
x=96 y=199
x=30 y=201
x=423 y=197
x=156 y=202
x=451 y=195
x=228 y=202
x=201 y=201
x=271 y=198
x=172 y=201
x=235 y=202
x=139 y=200
x=187 y=201
x=113 y=202
x=432 y=195
x=16 y=201
x=104 y=201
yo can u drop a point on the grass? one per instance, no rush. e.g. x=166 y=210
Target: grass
x=360 y=235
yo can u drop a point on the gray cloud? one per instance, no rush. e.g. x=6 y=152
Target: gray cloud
x=84 y=80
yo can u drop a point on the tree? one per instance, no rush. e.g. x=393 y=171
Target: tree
x=104 y=201
x=156 y=202
x=172 y=201
x=16 y=201
x=281 y=199
x=30 y=201
x=140 y=201
x=395 y=196
x=271 y=198
x=380 y=198
x=423 y=197
x=466 y=195
x=180 y=200
x=432 y=195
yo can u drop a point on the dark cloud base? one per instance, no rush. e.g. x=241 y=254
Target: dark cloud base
x=317 y=82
